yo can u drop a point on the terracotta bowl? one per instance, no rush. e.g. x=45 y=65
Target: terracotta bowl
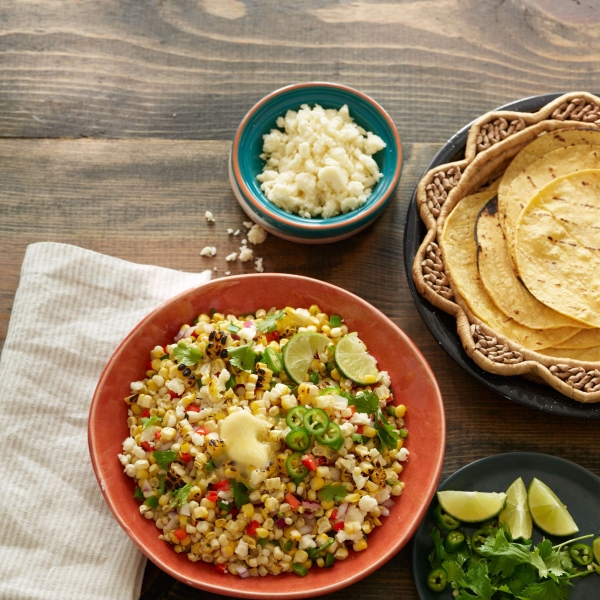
x=413 y=382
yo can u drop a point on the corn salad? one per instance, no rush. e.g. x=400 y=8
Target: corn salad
x=240 y=467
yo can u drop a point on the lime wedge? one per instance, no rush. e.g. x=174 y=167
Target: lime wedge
x=354 y=362
x=299 y=351
x=548 y=512
x=471 y=507
x=516 y=512
x=596 y=549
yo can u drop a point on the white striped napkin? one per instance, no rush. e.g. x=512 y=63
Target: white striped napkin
x=58 y=540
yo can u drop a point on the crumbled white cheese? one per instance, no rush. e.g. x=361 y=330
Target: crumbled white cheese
x=258 y=265
x=208 y=251
x=244 y=242
x=246 y=254
x=209 y=216
x=306 y=542
x=229 y=231
x=247 y=224
x=215 y=269
x=257 y=235
x=319 y=162
x=231 y=257
x=227 y=273
x=367 y=504
x=176 y=385
x=236 y=232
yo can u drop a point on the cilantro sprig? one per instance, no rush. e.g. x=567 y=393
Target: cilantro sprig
x=269 y=323
x=180 y=496
x=148 y=422
x=331 y=493
x=187 y=355
x=240 y=493
x=164 y=458
x=243 y=358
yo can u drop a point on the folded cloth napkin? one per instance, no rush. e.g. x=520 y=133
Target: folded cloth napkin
x=58 y=540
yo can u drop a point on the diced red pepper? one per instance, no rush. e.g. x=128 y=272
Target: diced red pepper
x=147 y=447
x=192 y=408
x=273 y=336
x=201 y=430
x=145 y=413
x=390 y=400
x=359 y=429
x=308 y=460
x=322 y=460
x=339 y=525
x=352 y=408
x=172 y=394
x=235 y=337
x=292 y=500
x=180 y=533
x=185 y=456
x=234 y=512
x=212 y=496
x=223 y=485
x=333 y=515
x=252 y=527
x=149 y=366
x=157 y=435
x=221 y=568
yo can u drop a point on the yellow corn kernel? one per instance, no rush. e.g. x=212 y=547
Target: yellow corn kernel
x=185 y=448
x=295 y=535
x=320 y=562
x=152 y=386
x=367 y=527
x=376 y=522
x=341 y=553
x=335 y=374
x=300 y=556
x=186 y=541
x=371 y=486
x=325 y=328
x=307 y=563
x=352 y=498
x=136 y=409
x=154 y=469
x=164 y=500
x=220 y=523
x=400 y=411
x=178 y=549
x=142 y=474
x=262 y=532
x=396 y=466
x=219 y=416
x=228 y=551
x=327 y=504
x=317 y=483
x=183 y=520
x=188 y=399
x=156 y=364
x=248 y=510
x=196 y=548
x=369 y=431
x=360 y=545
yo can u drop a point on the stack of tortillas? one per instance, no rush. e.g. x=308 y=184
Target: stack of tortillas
x=525 y=253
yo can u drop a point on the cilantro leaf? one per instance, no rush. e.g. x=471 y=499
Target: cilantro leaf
x=187 y=355
x=269 y=323
x=240 y=493
x=365 y=402
x=164 y=458
x=331 y=493
x=477 y=580
x=209 y=467
x=523 y=576
x=454 y=571
x=547 y=564
x=314 y=553
x=388 y=435
x=243 y=358
x=438 y=556
x=150 y=421
x=546 y=590
x=180 y=496
x=504 y=555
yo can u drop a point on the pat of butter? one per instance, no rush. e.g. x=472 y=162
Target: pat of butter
x=240 y=432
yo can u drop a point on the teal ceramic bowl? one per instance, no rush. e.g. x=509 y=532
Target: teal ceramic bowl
x=245 y=162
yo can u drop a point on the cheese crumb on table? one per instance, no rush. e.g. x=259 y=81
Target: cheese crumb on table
x=258 y=265
x=209 y=216
x=208 y=251
x=247 y=224
x=236 y=232
x=246 y=254
x=319 y=162
x=231 y=257
x=257 y=235
x=227 y=273
x=229 y=231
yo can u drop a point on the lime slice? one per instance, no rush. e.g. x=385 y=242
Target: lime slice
x=299 y=351
x=548 y=512
x=471 y=507
x=596 y=549
x=516 y=512
x=354 y=362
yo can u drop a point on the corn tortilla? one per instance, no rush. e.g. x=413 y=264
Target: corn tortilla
x=502 y=283
x=586 y=338
x=584 y=354
x=460 y=255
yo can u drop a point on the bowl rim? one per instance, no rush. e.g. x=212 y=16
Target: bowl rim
x=96 y=451
x=314 y=224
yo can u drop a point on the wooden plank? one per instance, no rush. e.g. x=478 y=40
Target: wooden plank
x=189 y=69
x=144 y=200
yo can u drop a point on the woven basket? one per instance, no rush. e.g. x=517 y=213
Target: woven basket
x=493 y=140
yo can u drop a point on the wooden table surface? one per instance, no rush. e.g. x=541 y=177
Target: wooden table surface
x=116 y=119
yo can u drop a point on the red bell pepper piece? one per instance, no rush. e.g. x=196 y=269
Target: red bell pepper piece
x=172 y=394
x=147 y=447
x=180 y=533
x=292 y=500
x=333 y=515
x=221 y=568
x=359 y=429
x=223 y=485
x=308 y=460
x=185 y=456
x=157 y=435
x=145 y=413
x=201 y=430
x=338 y=526
x=212 y=496
x=192 y=408
x=252 y=527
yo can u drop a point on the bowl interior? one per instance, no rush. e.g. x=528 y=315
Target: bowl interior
x=413 y=384
x=263 y=120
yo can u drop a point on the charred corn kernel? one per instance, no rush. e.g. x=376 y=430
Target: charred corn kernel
x=304 y=388
x=360 y=545
x=335 y=374
x=296 y=536
x=220 y=523
x=372 y=487
x=317 y=483
x=341 y=553
x=262 y=532
x=352 y=498
x=369 y=431
x=142 y=474
x=326 y=504
x=400 y=411
x=230 y=473
x=188 y=399
x=367 y=527
x=135 y=409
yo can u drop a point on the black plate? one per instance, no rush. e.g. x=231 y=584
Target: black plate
x=575 y=486
x=443 y=326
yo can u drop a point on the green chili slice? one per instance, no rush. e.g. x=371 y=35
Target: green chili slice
x=299 y=569
x=295 y=468
x=331 y=436
x=335 y=321
x=437 y=580
x=329 y=559
x=581 y=554
x=478 y=539
x=316 y=421
x=314 y=378
x=298 y=439
x=273 y=359
x=295 y=418
x=454 y=541
x=151 y=501
x=444 y=521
